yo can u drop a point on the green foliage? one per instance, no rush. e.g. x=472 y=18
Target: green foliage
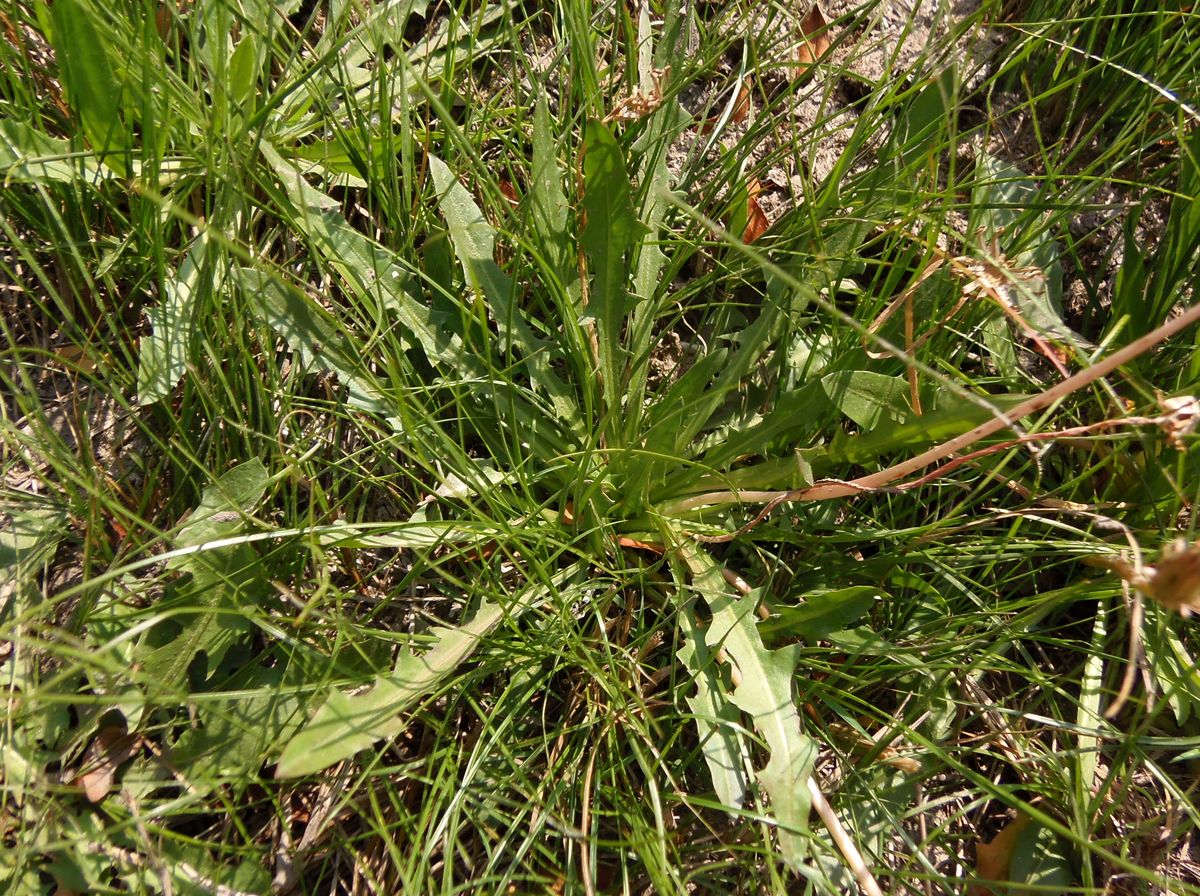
x=390 y=405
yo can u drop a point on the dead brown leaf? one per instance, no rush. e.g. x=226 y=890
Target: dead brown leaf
x=111 y=748
x=756 y=218
x=1182 y=414
x=814 y=41
x=741 y=109
x=993 y=860
x=510 y=193
x=653 y=546
x=1173 y=582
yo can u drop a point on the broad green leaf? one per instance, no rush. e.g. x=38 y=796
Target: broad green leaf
x=162 y=359
x=719 y=376
x=764 y=692
x=407 y=536
x=868 y=398
x=28 y=542
x=693 y=401
x=87 y=71
x=367 y=269
x=318 y=338
x=609 y=231
x=389 y=20
x=196 y=868
x=1001 y=200
x=222 y=579
x=863 y=641
x=997 y=338
x=244 y=65
x=474 y=242
x=925 y=120
x=776 y=474
x=797 y=415
x=1087 y=713
x=717 y=720
x=223 y=506
x=549 y=214
x=237 y=733
x=347 y=723
x=1040 y=863
x=78 y=864
x=822 y=613
x=29 y=156
x=1177 y=671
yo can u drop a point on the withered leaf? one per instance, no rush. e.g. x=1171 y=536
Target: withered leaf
x=756 y=218
x=814 y=40
x=1173 y=582
x=111 y=748
x=994 y=859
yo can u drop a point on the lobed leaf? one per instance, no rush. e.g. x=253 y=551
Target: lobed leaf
x=725 y=750
x=764 y=692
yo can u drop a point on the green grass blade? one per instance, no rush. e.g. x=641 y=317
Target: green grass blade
x=346 y=724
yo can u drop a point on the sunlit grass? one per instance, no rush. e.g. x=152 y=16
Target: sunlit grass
x=352 y=479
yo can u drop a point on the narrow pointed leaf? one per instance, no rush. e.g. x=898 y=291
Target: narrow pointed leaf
x=474 y=242
x=162 y=360
x=347 y=723
x=317 y=338
x=87 y=72
x=367 y=269
x=609 y=231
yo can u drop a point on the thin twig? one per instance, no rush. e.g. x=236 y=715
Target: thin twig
x=828 y=489
x=866 y=880
x=1134 y=657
